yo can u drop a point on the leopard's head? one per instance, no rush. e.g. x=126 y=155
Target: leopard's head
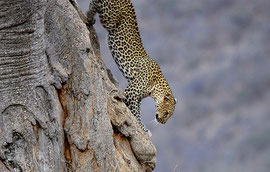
x=165 y=107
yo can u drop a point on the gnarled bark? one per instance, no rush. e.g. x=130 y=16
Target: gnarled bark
x=60 y=109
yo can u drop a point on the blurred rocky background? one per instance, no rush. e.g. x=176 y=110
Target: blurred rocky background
x=215 y=55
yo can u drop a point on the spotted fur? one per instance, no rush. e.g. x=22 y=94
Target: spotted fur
x=143 y=73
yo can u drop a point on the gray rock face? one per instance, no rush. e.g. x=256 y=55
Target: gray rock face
x=60 y=109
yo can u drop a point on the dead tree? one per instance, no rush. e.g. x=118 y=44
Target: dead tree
x=59 y=107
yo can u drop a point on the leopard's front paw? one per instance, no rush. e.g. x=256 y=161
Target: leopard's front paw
x=148 y=132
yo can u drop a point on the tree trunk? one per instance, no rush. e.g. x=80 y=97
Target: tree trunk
x=59 y=107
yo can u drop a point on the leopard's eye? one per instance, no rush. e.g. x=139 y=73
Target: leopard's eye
x=166 y=114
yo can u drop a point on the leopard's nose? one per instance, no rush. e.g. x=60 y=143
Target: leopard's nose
x=157 y=116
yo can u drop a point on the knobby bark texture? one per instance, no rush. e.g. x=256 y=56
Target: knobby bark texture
x=60 y=108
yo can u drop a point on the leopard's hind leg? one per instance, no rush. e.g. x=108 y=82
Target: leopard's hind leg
x=93 y=9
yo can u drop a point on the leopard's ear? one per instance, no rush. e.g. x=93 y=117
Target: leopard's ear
x=166 y=98
x=175 y=101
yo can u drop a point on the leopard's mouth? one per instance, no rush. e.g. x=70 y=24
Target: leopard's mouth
x=160 y=120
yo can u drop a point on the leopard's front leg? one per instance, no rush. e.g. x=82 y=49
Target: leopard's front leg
x=134 y=95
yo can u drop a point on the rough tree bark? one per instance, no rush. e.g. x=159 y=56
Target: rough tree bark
x=59 y=107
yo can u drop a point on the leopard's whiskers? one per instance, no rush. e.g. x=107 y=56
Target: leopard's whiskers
x=153 y=123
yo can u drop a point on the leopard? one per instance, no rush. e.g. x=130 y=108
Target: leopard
x=143 y=74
